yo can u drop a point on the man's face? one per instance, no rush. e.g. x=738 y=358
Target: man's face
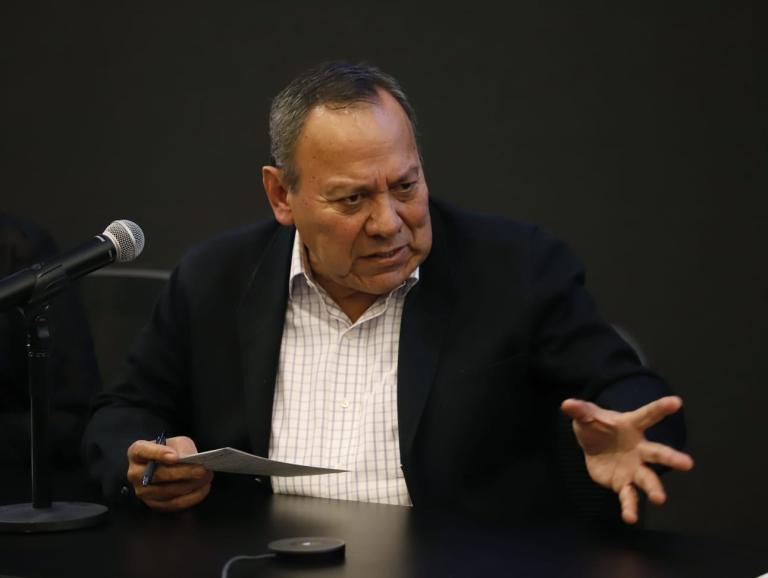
x=361 y=202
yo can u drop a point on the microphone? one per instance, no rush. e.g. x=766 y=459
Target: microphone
x=122 y=241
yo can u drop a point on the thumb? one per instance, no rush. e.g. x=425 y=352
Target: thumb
x=183 y=445
x=580 y=410
x=586 y=412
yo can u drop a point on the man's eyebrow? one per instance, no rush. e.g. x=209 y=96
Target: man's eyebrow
x=412 y=173
x=343 y=186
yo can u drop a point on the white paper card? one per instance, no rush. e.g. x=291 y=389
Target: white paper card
x=235 y=461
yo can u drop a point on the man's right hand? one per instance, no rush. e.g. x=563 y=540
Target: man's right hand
x=174 y=486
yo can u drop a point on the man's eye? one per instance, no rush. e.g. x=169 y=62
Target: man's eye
x=351 y=199
x=406 y=187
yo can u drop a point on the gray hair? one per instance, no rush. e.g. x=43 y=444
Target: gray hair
x=338 y=83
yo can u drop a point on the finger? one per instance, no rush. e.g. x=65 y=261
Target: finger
x=182 y=444
x=164 y=474
x=180 y=502
x=179 y=472
x=656 y=453
x=171 y=490
x=578 y=409
x=142 y=451
x=652 y=413
x=587 y=412
x=628 y=499
x=647 y=480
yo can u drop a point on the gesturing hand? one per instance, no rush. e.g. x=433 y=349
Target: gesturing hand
x=616 y=450
x=174 y=486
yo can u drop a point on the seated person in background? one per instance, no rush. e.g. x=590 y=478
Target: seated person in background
x=370 y=328
x=74 y=376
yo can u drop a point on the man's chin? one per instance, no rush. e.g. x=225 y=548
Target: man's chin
x=383 y=283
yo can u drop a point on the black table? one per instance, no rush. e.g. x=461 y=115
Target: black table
x=381 y=541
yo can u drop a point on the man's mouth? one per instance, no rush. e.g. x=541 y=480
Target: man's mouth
x=385 y=254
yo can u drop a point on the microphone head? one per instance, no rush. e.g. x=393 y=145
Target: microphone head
x=127 y=237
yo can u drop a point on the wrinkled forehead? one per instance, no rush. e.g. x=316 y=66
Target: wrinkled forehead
x=366 y=126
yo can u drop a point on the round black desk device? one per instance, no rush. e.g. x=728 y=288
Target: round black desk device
x=308 y=549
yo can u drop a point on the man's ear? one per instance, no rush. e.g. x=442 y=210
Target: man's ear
x=277 y=194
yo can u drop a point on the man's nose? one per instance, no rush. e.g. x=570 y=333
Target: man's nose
x=384 y=220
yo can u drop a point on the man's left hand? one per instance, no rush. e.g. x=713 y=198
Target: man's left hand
x=617 y=453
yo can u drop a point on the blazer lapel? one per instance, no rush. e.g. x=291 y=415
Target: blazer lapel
x=261 y=319
x=425 y=321
x=262 y=315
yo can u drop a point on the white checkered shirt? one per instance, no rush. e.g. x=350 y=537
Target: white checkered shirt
x=335 y=400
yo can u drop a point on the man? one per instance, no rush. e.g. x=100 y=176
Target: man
x=374 y=330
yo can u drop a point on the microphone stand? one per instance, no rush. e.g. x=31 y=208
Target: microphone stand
x=43 y=515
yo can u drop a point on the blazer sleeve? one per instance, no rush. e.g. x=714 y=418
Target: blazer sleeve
x=147 y=398
x=575 y=349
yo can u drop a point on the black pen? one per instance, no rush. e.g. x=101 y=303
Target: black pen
x=150 y=471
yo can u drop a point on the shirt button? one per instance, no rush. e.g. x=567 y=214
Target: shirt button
x=345 y=403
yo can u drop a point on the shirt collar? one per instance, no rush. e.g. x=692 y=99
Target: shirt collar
x=300 y=269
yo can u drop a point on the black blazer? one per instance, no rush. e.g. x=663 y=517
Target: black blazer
x=498 y=330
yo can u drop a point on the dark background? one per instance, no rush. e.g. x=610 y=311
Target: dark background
x=636 y=131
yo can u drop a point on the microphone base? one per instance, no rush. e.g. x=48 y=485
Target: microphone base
x=60 y=516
